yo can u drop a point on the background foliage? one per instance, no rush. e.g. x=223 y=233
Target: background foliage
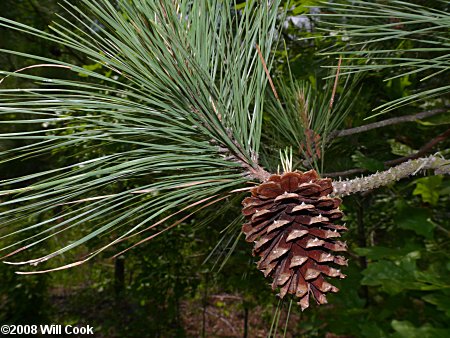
x=200 y=280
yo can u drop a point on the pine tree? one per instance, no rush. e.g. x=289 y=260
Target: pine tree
x=178 y=120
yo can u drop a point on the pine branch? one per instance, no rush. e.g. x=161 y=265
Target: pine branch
x=177 y=81
x=409 y=168
x=259 y=173
x=387 y=122
x=406 y=166
x=252 y=171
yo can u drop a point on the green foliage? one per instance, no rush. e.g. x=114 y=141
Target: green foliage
x=152 y=117
x=305 y=115
x=437 y=120
x=370 y=164
x=404 y=329
x=429 y=188
x=440 y=299
x=394 y=277
x=408 y=39
x=415 y=219
x=24 y=300
x=400 y=149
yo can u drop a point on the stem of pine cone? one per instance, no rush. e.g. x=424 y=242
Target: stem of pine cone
x=258 y=173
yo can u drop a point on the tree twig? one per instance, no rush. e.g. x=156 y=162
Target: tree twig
x=387 y=122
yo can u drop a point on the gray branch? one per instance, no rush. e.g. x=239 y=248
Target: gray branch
x=387 y=122
x=412 y=167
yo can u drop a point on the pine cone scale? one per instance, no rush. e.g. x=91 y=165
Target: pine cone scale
x=296 y=233
x=287 y=196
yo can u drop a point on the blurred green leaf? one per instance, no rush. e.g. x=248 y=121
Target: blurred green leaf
x=379 y=252
x=397 y=87
x=405 y=329
x=400 y=149
x=440 y=299
x=367 y=163
x=372 y=330
x=428 y=188
x=435 y=275
x=395 y=277
x=91 y=68
x=415 y=219
x=436 y=120
x=301 y=7
x=387 y=275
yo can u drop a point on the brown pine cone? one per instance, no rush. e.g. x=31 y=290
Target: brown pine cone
x=291 y=221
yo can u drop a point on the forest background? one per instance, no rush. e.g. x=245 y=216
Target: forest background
x=198 y=280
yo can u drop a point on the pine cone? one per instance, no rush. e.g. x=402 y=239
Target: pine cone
x=291 y=221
